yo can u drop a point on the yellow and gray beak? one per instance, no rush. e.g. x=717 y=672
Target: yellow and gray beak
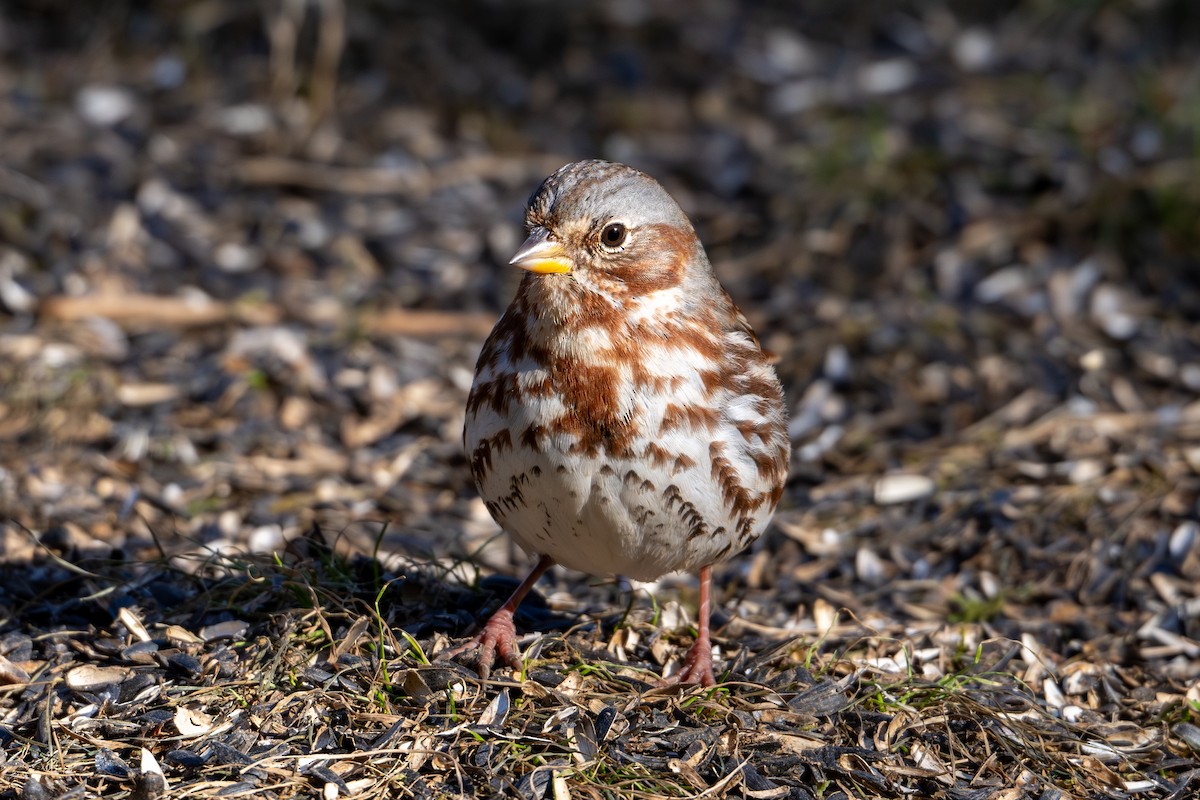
x=541 y=254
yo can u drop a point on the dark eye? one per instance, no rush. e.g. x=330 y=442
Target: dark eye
x=613 y=235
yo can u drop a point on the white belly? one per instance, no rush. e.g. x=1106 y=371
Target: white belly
x=605 y=516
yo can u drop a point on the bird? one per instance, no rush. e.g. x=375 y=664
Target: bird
x=623 y=419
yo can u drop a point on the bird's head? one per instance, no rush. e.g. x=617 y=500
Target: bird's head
x=611 y=229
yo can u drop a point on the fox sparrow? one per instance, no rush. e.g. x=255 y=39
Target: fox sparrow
x=623 y=418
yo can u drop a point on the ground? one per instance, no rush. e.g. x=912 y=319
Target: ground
x=249 y=252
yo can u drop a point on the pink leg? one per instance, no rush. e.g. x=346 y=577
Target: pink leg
x=697 y=665
x=499 y=635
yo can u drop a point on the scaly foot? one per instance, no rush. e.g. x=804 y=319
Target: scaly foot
x=499 y=635
x=697 y=665
x=497 y=639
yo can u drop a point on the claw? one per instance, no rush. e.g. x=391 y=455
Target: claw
x=697 y=665
x=498 y=638
x=499 y=634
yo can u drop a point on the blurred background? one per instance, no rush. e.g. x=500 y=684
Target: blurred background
x=250 y=250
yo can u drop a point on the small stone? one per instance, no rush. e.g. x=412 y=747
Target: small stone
x=826 y=440
x=892 y=489
x=350 y=379
x=1092 y=360
x=1111 y=311
x=266 y=539
x=103 y=338
x=990 y=585
x=787 y=53
x=1002 y=284
x=295 y=412
x=1069 y=289
x=807 y=416
x=245 y=120
x=13 y=295
x=235 y=258
x=1182 y=540
x=104 y=105
x=888 y=76
x=172 y=495
x=312 y=233
x=974 y=50
x=837 y=364
x=1114 y=161
x=57 y=355
x=229 y=522
x=168 y=72
x=1085 y=470
x=1146 y=142
x=795 y=97
x=1190 y=375
x=382 y=383
x=869 y=567
x=952 y=273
